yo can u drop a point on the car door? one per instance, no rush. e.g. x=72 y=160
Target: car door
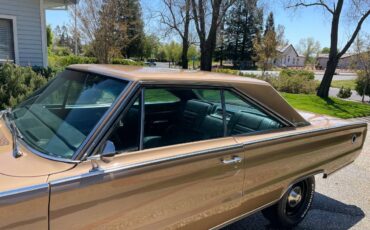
x=193 y=184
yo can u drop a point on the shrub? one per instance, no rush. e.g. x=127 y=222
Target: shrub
x=236 y=72
x=64 y=61
x=17 y=83
x=295 y=81
x=289 y=81
x=361 y=81
x=344 y=92
x=47 y=72
x=294 y=72
x=120 y=61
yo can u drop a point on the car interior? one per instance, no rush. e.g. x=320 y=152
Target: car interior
x=184 y=115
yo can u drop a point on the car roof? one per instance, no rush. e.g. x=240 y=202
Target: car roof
x=148 y=74
x=257 y=90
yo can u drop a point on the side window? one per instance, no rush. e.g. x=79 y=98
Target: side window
x=126 y=134
x=197 y=117
x=243 y=117
x=160 y=96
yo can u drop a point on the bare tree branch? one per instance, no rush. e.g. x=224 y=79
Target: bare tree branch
x=319 y=3
x=354 y=35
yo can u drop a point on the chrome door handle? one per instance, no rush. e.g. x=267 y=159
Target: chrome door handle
x=233 y=160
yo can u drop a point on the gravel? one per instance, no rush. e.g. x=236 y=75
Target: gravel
x=341 y=202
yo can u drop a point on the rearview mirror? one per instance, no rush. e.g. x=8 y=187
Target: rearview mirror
x=108 y=152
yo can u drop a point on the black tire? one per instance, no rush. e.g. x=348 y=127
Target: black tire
x=287 y=213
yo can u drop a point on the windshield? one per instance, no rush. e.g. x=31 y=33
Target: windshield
x=57 y=119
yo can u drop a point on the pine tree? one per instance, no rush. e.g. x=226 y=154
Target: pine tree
x=243 y=22
x=270 y=24
x=131 y=14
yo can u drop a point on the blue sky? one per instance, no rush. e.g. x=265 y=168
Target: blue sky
x=310 y=22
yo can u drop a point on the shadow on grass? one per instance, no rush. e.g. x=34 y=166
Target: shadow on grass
x=332 y=103
x=326 y=213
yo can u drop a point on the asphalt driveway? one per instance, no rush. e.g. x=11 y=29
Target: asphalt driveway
x=341 y=202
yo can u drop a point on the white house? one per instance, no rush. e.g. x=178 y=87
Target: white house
x=22 y=30
x=289 y=57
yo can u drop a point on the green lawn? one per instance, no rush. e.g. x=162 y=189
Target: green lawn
x=333 y=106
x=345 y=83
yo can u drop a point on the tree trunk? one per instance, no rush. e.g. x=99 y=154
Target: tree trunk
x=184 y=55
x=331 y=66
x=328 y=77
x=206 y=54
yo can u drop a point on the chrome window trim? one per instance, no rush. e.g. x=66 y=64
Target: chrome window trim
x=96 y=136
x=78 y=153
x=242 y=95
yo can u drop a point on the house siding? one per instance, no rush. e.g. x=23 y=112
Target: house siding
x=29 y=35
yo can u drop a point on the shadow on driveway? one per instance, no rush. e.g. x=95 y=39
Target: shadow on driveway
x=325 y=213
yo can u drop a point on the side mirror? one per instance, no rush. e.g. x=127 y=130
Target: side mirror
x=109 y=151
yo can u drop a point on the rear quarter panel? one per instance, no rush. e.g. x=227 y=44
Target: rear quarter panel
x=275 y=161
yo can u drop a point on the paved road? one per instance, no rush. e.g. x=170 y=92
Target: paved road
x=318 y=75
x=354 y=97
x=341 y=202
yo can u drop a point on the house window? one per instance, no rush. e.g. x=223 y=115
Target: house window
x=293 y=61
x=6 y=40
x=288 y=59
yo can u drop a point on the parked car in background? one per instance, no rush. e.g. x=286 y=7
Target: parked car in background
x=151 y=63
x=113 y=147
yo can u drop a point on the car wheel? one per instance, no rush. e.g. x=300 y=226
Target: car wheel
x=293 y=206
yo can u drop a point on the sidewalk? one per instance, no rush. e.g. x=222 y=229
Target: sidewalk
x=355 y=96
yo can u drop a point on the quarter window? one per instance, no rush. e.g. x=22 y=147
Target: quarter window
x=244 y=117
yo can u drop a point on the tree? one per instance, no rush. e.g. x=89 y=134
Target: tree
x=266 y=50
x=270 y=24
x=49 y=36
x=362 y=64
x=130 y=15
x=212 y=11
x=309 y=48
x=325 y=50
x=241 y=26
x=173 y=52
x=359 y=10
x=111 y=27
x=151 y=46
x=176 y=17
x=280 y=36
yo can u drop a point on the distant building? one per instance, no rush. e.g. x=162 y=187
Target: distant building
x=347 y=61
x=289 y=57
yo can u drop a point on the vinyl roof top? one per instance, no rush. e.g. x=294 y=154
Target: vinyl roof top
x=149 y=74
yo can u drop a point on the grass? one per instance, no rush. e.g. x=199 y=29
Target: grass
x=345 y=83
x=332 y=106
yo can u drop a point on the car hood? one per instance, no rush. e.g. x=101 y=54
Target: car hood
x=29 y=164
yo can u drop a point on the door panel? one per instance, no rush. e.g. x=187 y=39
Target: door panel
x=182 y=186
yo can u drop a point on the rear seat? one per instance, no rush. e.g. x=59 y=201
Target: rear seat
x=189 y=127
x=243 y=122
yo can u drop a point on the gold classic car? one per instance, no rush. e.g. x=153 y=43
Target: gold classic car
x=111 y=147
